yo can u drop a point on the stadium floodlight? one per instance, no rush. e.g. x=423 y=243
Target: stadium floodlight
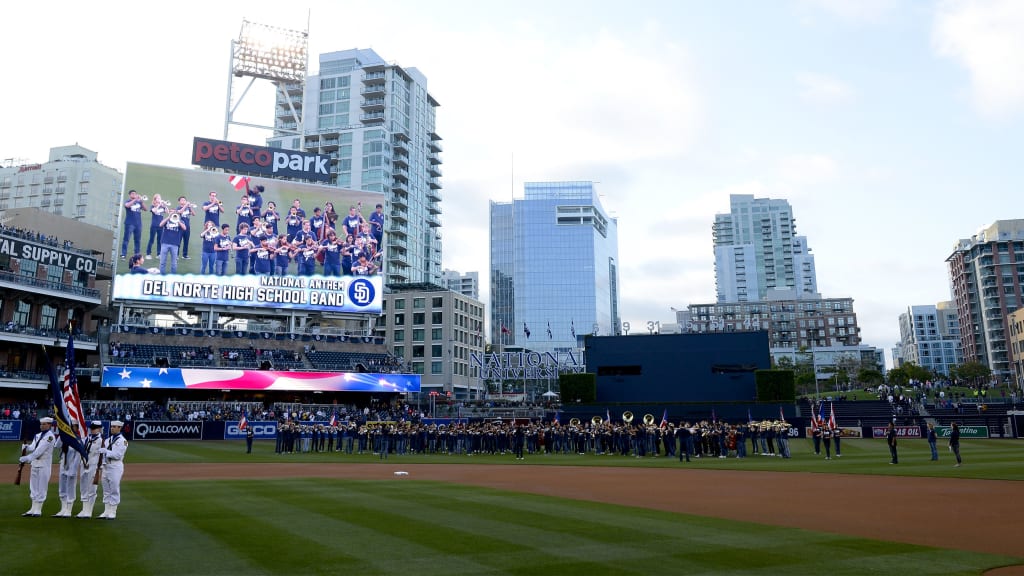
x=275 y=54
x=270 y=53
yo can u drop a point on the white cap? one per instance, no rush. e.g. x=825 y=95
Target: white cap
x=95 y=424
x=46 y=420
x=116 y=423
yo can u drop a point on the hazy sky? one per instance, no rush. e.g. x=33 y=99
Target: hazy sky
x=891 y=127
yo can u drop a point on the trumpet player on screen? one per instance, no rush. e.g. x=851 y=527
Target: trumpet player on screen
x=133 y=210
x=158 y=209
x=174 y=226
x=186 y=210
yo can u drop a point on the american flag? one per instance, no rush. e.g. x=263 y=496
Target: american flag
x=504 y=329
x=572 y=328
x=821 y=414
x=549 y=330
x=526 y=330
x=334 y=419
x=664 y=419
x=831 y=416
x=238 y=182
x=69 y=389
x=243 y=422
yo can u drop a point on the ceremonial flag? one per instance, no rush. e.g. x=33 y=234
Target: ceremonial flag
x=504 y=329
x=239 y=182
x=572 y=328
x=334 y=419
x=831 y=416
x=782 y=416
x=526 y=330
x=556 y=418
x=814 y=419
x=664 y=419
x=713 y=418
x=821 y=414
x=749 y=417
x=549 y=330
x=62 y=418
x=607 y=415
x=243 y=422
x=69 y=388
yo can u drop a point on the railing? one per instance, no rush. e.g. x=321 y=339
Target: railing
x=56 y=286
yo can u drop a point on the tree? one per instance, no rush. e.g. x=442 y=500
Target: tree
x=898 y=376
x=974 y=373
x=869 y=376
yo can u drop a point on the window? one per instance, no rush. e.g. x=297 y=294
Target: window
x=418 y=303
x=417 y=334
x=436 y=333
x=21 y=313
x=417 y=367
x=400 y=304
x=48 y=320
x=436 y=351
x=437 y=367
x=399 y=351
x=399 y=319
x=399 y=335
x=437 y=302
x=436 y=317
x=418 y=351
x=418 y=318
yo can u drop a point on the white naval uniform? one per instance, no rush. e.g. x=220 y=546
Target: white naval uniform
x=40 y=458
x=113 y=468
x=94 y=447
x=69 y=467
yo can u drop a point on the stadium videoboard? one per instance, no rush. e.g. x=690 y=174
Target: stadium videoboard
x=199 y=237
x=213 y=379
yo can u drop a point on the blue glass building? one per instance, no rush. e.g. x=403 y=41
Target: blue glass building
x=554 y=268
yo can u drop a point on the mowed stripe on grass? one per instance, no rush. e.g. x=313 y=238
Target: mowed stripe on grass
x=321 y=526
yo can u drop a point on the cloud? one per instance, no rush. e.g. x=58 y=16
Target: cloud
x=985 y=37
x=856 y=11
x=801 y=170
x=819 y=89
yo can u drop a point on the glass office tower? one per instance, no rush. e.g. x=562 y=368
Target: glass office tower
x=554 y=268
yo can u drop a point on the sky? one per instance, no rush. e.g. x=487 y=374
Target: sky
x=891 y=127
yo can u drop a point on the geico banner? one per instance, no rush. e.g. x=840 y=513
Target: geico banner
x=263 y=430
x=901 y=431
x=10 y=429
x=161 y=430
x=355 y=294
x=965 y=431
x=236 y=157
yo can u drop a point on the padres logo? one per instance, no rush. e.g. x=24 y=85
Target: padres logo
x=361 y=292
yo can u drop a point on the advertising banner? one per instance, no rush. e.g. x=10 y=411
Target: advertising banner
x=209 y=238
x=166 y=430
x=50 y=255
x=209 y=379
x=10 y=429
x=238 y=157
x=965 y=431
x=901 y=431
x=262 y=430
x=844 y=432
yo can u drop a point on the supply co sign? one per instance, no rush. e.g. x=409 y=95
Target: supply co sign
x=235 y=157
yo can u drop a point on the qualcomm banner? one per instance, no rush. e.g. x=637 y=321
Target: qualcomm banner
x=10 y=429
x=166 y=430
x=206 y=379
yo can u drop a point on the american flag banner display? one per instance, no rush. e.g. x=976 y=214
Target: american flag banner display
x=239 y=182
x=243 y=422
x=69 y=389
x=62 y=419
x=831 y=416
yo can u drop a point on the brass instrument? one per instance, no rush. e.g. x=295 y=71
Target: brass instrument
x=596 y=420
x=145 y=198
x=627 y=416
x=649 y=419
x=175 y=217
x=574 y=422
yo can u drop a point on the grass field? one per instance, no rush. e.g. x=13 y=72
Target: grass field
x=321 y=526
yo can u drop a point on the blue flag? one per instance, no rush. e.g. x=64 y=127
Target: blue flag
x=62 y=418
x=821 y=414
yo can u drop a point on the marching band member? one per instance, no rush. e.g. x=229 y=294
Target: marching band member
x=241 y=244
x=158 y=208
x=133 y=210
x=186 y=210
x=212 y=208
x=209 y=236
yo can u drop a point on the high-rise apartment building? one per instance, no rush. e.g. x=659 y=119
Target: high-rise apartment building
x=987 y=274
x=376 y=122
x=554 y=267
x=71 y=183
x=757 y=251
x=930 y=337
x=467 y=284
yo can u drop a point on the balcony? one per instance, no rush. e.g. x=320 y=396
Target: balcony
x=372 y=117
x=434 y=208
x=398 y=216
x=373 y=90
x=398 y=255
x=372 y=104
x=400 y=174
x=434 y=158
x=434 y=184
x=434 y=170
x=434 y=194
x=399 y=144
x=399 y=200
x=433 y=221
x=400 y=187
x=435 y=146
x=375 y=74
x=400 y=160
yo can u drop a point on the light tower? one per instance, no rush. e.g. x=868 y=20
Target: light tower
x=271 y=53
